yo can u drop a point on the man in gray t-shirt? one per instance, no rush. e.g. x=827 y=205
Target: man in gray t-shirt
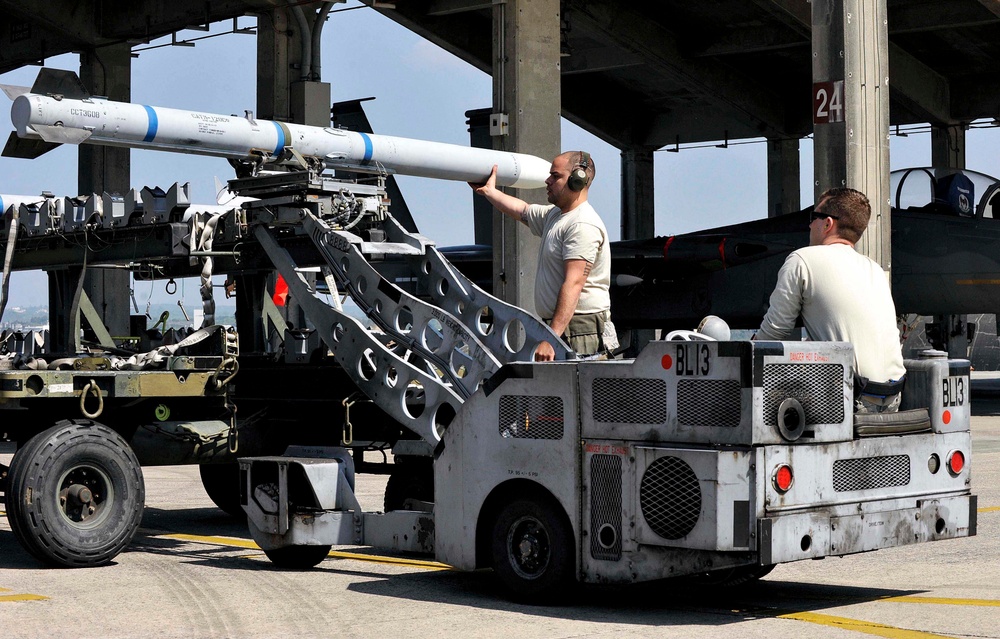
x=574 y=260
x=842 y=295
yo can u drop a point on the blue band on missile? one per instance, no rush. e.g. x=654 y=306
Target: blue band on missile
x=280 y=146
x=2 y=207
x=368 y=147
x=153 y=124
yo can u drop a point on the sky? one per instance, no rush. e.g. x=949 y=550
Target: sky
x=421 y=92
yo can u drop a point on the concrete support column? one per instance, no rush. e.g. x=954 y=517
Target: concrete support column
x=638 y=222
x=526 y=89
x=482 y=211
x=948 y=146
x=782 y=177
x=851 y=109
x=948 y=152
x=287 y=90
x=106 y=71
x=276 y=53
x=637 y=214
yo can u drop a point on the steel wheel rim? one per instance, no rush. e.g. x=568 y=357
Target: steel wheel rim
x=85 y=496
x=528 y=547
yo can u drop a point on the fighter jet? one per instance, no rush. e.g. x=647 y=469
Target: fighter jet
x=945 y=258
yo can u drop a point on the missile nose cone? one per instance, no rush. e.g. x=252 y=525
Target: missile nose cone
x=533 y=172
x=20 y=112
x=627 y=280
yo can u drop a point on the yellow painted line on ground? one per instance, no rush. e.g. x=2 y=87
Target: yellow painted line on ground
x=865 y=627
x=988 y=509
x=246 y=543
x=19 y=597
x=945 y=601
x=5 y=598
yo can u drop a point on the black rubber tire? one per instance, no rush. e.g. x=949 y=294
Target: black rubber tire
x=222 y=484
x=411 y=478
x=298 y=557
x=533 y=551
x=731 y=577
x=55 y=480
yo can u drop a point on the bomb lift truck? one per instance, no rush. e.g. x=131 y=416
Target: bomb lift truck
x=718 y=459
x=697 y=457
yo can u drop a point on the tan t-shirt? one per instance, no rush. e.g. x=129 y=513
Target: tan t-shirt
x=574 y=235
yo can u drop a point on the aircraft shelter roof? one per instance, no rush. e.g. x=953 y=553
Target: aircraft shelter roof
x=683 y=71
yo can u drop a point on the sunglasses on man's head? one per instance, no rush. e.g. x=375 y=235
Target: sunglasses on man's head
x=820 y=215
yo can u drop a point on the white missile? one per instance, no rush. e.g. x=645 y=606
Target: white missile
x=75 y=117
x=13 y=202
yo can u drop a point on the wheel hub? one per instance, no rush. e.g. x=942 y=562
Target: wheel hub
x=529 y=548
x=82 y=493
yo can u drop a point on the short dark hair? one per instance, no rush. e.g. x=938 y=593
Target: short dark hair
x=850 y=207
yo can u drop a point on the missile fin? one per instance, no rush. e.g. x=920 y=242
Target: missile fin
x=60 y=82
x=61 y=134
x=26 y=148
x=14 y=91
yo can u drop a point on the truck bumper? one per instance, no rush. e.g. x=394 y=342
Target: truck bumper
x=836 y=531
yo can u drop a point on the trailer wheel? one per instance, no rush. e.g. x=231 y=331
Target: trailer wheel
x=298 y=557
x=76 y=494
x=222 y=484
x=533 y=551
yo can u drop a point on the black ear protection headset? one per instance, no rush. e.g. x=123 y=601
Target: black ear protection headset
x=578 y=176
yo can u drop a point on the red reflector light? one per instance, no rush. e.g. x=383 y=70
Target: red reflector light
x=782 y=478
x=956 y=462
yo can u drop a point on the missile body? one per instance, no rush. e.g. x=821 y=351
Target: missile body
x=60 y=119
x=14 y=202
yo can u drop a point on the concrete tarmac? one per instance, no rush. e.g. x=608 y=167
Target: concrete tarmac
x=193 y=572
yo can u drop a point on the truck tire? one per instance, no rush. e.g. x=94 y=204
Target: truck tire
x=222 y=484
x=298 y=557
x=76 y=494
x=411 y=478
x=532 y=548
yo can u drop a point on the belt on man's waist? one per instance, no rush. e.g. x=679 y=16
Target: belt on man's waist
x=864 y=386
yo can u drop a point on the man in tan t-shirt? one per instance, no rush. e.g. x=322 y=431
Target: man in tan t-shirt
x=574 y=260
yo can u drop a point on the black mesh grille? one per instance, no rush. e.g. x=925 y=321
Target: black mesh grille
x=818 y=387
x=630 y=400
x=871 y=472
x=708 y=402
x=531 y=417
x=606 y=507
x=670 y=497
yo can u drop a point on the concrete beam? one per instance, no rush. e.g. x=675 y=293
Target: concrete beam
x=450 y=7
x=633 y=31
x=992 y=5
x=974 y=97
x=922 y=90
x=918 y=17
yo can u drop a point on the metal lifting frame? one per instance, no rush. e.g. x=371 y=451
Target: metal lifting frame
x=424 y=359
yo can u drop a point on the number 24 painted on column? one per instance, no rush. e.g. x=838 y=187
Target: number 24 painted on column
x=828 y=102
